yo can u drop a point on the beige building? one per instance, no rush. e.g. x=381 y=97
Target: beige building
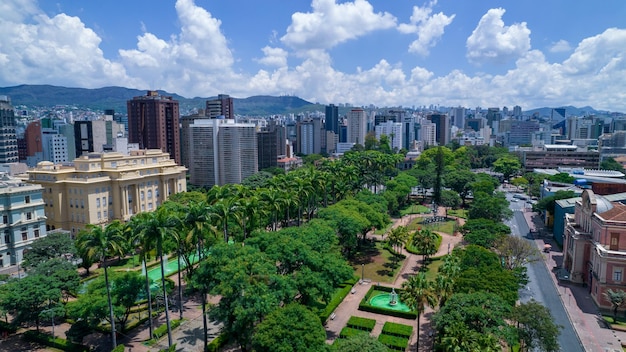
x=101 y=187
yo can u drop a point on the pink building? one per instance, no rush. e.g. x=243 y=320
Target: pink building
x=595 y=245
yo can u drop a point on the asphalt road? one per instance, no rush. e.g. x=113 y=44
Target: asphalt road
x=541 y=287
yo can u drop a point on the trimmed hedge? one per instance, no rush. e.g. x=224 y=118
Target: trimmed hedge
x=162 y=330
x=119 y=348
x=393 y=342
x=217 y=343
x=399 y=330
x=349 y=332
x=361 y=323
x=388 y=247
x=366 y=307
x=335 y=301
x=45 y=339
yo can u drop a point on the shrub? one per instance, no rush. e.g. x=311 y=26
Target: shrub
x=162 y=330
x=217 y=343
x=8 y=327
x=45 y=339
x=78 y=331
x=361 y=323
x=399 y=330
x=349 y=332
x=335 y=301
x=393 y=342
x=119 y=348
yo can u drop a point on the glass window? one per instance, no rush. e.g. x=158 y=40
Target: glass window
x=24 y=236
x=149 y=194
x=98 y=202
x=36 y=233
x=141 y=195
x=617 y=275
x=29 y=216
x=26 y=199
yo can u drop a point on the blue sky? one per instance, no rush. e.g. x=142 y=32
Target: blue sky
x=387 y=53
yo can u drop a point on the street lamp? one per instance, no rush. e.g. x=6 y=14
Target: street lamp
x=362 y=272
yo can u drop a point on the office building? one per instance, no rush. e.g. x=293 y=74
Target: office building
x=8 y=136
x=458 y=117
x=23 y=219
x=101 y=187
x=557 y=155
x=55 y=146
x=153 y=123
x=185 y=140
x=357 y=126
x=96 y=136
x=521 y=132
x=393 y=130
x=267 y=147
x=223 y=152
x=442 y=127
x=220 y=106
x=309 y=136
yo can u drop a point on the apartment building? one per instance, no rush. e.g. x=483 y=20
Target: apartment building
x=23 y=220
x=101 y=187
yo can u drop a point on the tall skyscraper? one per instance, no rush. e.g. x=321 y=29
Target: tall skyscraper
x=153 y=123
x=393 y=130
x=220 y=106
x=185 y=141
x=357 y=126
x=331 y=121
x=95 y=136
x=458 y=117
x=222 y=151
x=309 y=136
x=267 y=140
x=442 y=123
x=8 y=137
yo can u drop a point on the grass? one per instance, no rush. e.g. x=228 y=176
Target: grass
x=433 y=268
x=461 y=213
x=446 y=227
x=415 y=209
x=377 y=263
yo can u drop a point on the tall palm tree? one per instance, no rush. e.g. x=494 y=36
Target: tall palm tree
x=155 y=227
x=425 y=241
x=138 y=241
x=418 y=293
x=273 y=201
x=222 y=212
x=98 y=243
x=397 y=236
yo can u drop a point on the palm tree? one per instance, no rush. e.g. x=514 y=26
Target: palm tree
x=98 y=243
x=418 y=293
x=154 y=228
x=273 y=202
x=222 y=211
x=617 y=298
x=137 y=241
x=397 y=236
x=425 y=241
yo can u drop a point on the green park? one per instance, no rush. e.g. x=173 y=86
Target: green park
x=339 y=255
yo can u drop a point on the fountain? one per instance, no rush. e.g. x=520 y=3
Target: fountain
x=393 y=297
x=389 y=301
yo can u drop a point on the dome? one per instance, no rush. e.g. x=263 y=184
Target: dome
x=602 y=204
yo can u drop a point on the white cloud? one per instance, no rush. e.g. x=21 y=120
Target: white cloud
x=429 y=28
x=330 y=24
x=39 y=49
x=560 y=46
x=493 y=42
x=273 y=57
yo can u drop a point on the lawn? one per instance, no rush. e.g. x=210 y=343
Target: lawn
x=461 y=213
x=433 y=268
x=376 y=263
x=446 y=226
x=415 y=209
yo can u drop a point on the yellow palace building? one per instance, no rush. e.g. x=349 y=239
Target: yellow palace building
x=100 y=187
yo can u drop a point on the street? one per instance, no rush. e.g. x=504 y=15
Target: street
x=541 y=288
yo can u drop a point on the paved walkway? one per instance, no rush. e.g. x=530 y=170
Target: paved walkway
x=350 y=305
x=582 y=311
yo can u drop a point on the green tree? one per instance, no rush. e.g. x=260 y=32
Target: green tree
x=54 y=245
x=62 y=273
x=562 y=177
x=484 y=232
x=292 y=328
x=515 y=252
x=359 y=343
x=484 y=183
x=397 y=236
x=126 y=291
x=450 y=199
x=548 y=203
x=26 y=298
x=507 y=165
x=155 y=228
x=617 y=298
x=98 y=243
x=491 y=207
x=611 y=164
x=418 y=293
x=459 y=180
x=536 y=328
x=425 y=241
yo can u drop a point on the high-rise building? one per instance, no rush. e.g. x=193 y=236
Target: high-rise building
x=23 y=219
x=357 y=126
x=309 y=136
x=458 y=117
x=153 y=123
x=393 y=130
x=95 y=136
x=331 y=118
x=220 y=106
x=223 y=152
x=8 y=136
x=442 y=123
x=267 y=140
x=185 y=141
x=32 y=134
x=493 y=116
x=55 y=146
x=101 y=187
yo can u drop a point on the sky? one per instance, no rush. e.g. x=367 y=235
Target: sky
x=487 y=53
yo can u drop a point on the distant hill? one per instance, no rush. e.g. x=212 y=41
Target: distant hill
x=116 y=97
x=546 y=112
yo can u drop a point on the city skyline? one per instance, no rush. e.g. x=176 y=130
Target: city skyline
x=492 y=53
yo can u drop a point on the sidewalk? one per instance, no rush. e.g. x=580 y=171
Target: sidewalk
x=582 y=311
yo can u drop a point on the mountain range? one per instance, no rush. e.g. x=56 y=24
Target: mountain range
x=115 y=98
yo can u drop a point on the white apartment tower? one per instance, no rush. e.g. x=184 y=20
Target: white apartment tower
x=357 y=126
x=223 y=152
x=393 y=130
